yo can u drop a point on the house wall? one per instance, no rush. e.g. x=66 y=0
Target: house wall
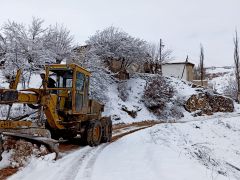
x=190 y=73
x=176 y=70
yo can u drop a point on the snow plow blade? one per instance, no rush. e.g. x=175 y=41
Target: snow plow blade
x=51 y=144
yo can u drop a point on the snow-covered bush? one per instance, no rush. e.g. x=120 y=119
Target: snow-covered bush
x=231 y=88
x=123 y=90
x=99 y=84
x=157 y=95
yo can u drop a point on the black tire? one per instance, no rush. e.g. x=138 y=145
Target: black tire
x=107 y=131
x=94 y=133
x=54 y=133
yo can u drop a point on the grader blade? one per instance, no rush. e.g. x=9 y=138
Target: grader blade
x=50 y=144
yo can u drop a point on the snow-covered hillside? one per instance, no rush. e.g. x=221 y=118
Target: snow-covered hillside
x=134 y=88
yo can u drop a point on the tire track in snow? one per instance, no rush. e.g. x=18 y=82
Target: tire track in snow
x=72 y=170
x=82 y=168
x=83 y=165
x=79 y=164
x=86 y=168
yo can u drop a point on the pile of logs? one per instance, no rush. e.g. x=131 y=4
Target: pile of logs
x=206 y=103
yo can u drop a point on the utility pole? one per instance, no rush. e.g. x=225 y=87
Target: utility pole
x=160 y=55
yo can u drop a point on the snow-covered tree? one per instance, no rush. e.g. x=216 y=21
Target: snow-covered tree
x=237 y=66
x=231 y=88
x=201 y=64
x=154 y=62
x=30 y=47
x=113 y=44
x=2 y=49
x=58 y=42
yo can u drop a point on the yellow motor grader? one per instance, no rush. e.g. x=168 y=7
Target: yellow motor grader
x=63 y=110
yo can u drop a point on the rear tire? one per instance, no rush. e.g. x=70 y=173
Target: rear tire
x=93 y=133
x=107 y=130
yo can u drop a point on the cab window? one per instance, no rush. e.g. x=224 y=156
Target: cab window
x=79 y=101
x=80 y=81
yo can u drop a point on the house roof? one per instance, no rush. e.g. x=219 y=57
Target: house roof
x=188 y=63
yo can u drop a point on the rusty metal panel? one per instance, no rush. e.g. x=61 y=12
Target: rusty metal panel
x=8 y=124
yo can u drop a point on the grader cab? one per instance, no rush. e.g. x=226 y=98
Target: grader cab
x=64 y=108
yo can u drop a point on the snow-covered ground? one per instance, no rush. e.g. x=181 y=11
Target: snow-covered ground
x=113 y=107
x=219 y=70
x=220 y=83
x=5 y=161
x=135 y=90
x=205 y=149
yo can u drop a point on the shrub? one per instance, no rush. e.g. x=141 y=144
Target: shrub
x=157 y=95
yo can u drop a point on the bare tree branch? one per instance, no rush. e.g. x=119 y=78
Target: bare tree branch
x=236 y=62
x=201 y=64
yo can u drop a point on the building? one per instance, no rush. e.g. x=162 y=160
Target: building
x=181 y=70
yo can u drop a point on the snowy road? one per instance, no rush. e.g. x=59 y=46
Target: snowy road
x=203 y=149
x=75 y=162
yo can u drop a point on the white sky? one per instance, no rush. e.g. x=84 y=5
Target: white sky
x=182 y=24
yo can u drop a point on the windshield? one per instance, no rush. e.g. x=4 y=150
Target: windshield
x=62 y=78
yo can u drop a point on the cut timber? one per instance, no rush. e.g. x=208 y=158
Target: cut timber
x=205 y=103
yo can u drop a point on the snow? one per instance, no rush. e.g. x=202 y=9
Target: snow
x=3 y=84
x=219 y=70
x=182 y=88
x=219 y=83
x=199 y=148
x=5 y=161
x=135 y=88
x=167 y=152
x=205 y=149
x=35 y=81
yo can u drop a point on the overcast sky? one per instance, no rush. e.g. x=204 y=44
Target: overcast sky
x=182 y=24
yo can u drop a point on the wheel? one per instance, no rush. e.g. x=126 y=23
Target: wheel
x=94 y=133
x=107 y=130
